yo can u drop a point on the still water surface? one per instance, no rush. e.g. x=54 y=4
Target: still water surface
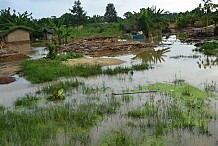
x=167 y=66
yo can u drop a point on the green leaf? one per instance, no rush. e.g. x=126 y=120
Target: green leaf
x=60 y=92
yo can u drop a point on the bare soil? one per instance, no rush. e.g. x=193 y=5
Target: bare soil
x=13 y=57
x=6 y=80
x=9 y=63
x=94 y=61
x=9 y=70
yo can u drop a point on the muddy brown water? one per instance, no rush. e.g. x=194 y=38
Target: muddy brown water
x=166 y=68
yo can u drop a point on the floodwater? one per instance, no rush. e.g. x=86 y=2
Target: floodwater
x=10 y=92
x=166 y=68
x=171 y=60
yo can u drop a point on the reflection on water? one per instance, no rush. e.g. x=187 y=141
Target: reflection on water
x=38 y=52
x=152 y=55
x=207 y=62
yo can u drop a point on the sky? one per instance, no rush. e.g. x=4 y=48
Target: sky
x=48 y=8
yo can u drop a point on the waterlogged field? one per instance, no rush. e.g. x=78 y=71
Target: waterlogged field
x=171 y=102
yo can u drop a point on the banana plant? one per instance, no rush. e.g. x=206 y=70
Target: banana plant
x=58 y=28
x=57 y=96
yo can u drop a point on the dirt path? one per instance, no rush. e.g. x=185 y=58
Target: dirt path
x=94 y=61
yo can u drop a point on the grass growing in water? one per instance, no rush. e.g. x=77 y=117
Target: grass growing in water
x=27 y=100
x=66 y=85
x=123 y=137
x=186 y=110
x=44 y=70
x=184 y=92
x=43 y=126
x=119 y=69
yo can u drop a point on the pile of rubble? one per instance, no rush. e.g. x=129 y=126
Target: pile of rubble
x=4 y=51
x=103 y=45
x=208 y=31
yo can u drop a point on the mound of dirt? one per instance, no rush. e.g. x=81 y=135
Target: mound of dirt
x=6 y=80
x=94 y=61
x=13 y=57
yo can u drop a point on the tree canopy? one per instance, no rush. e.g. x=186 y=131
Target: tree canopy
x=110 y=14
x=78 y=14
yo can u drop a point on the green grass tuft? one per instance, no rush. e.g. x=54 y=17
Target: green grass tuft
x=27 y=100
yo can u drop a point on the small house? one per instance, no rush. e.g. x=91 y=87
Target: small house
x=48 y=33
x=16 y=35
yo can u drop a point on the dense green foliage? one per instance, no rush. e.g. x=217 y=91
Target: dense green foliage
x=148 y=20
x=76 y=23
x=209 y=48
x=201 y=16
x=96 y=29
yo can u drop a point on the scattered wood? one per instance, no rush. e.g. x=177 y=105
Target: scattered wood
x=94 y=46
x=147 y=91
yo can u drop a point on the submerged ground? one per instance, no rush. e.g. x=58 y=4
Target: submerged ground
x=118 y=110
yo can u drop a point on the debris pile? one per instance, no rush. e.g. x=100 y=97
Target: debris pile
x=96 y=46
x=4 y=51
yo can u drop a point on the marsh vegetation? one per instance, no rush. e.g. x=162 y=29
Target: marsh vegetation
x=79 y=105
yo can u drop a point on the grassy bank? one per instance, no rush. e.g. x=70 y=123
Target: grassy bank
x=209 y=48
x=44 y=70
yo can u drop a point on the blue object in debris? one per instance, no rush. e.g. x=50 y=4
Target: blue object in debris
x=139 y=36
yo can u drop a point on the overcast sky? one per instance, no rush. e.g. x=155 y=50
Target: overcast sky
x=48 y=8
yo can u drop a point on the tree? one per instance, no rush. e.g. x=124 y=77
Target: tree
x=8 y=20
x=58 y=26
x=208 y=6
x=187 y=19
x=127 y=15
x=78 y=14
x=110 y=14
x=67 y=19
x=150 y=20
